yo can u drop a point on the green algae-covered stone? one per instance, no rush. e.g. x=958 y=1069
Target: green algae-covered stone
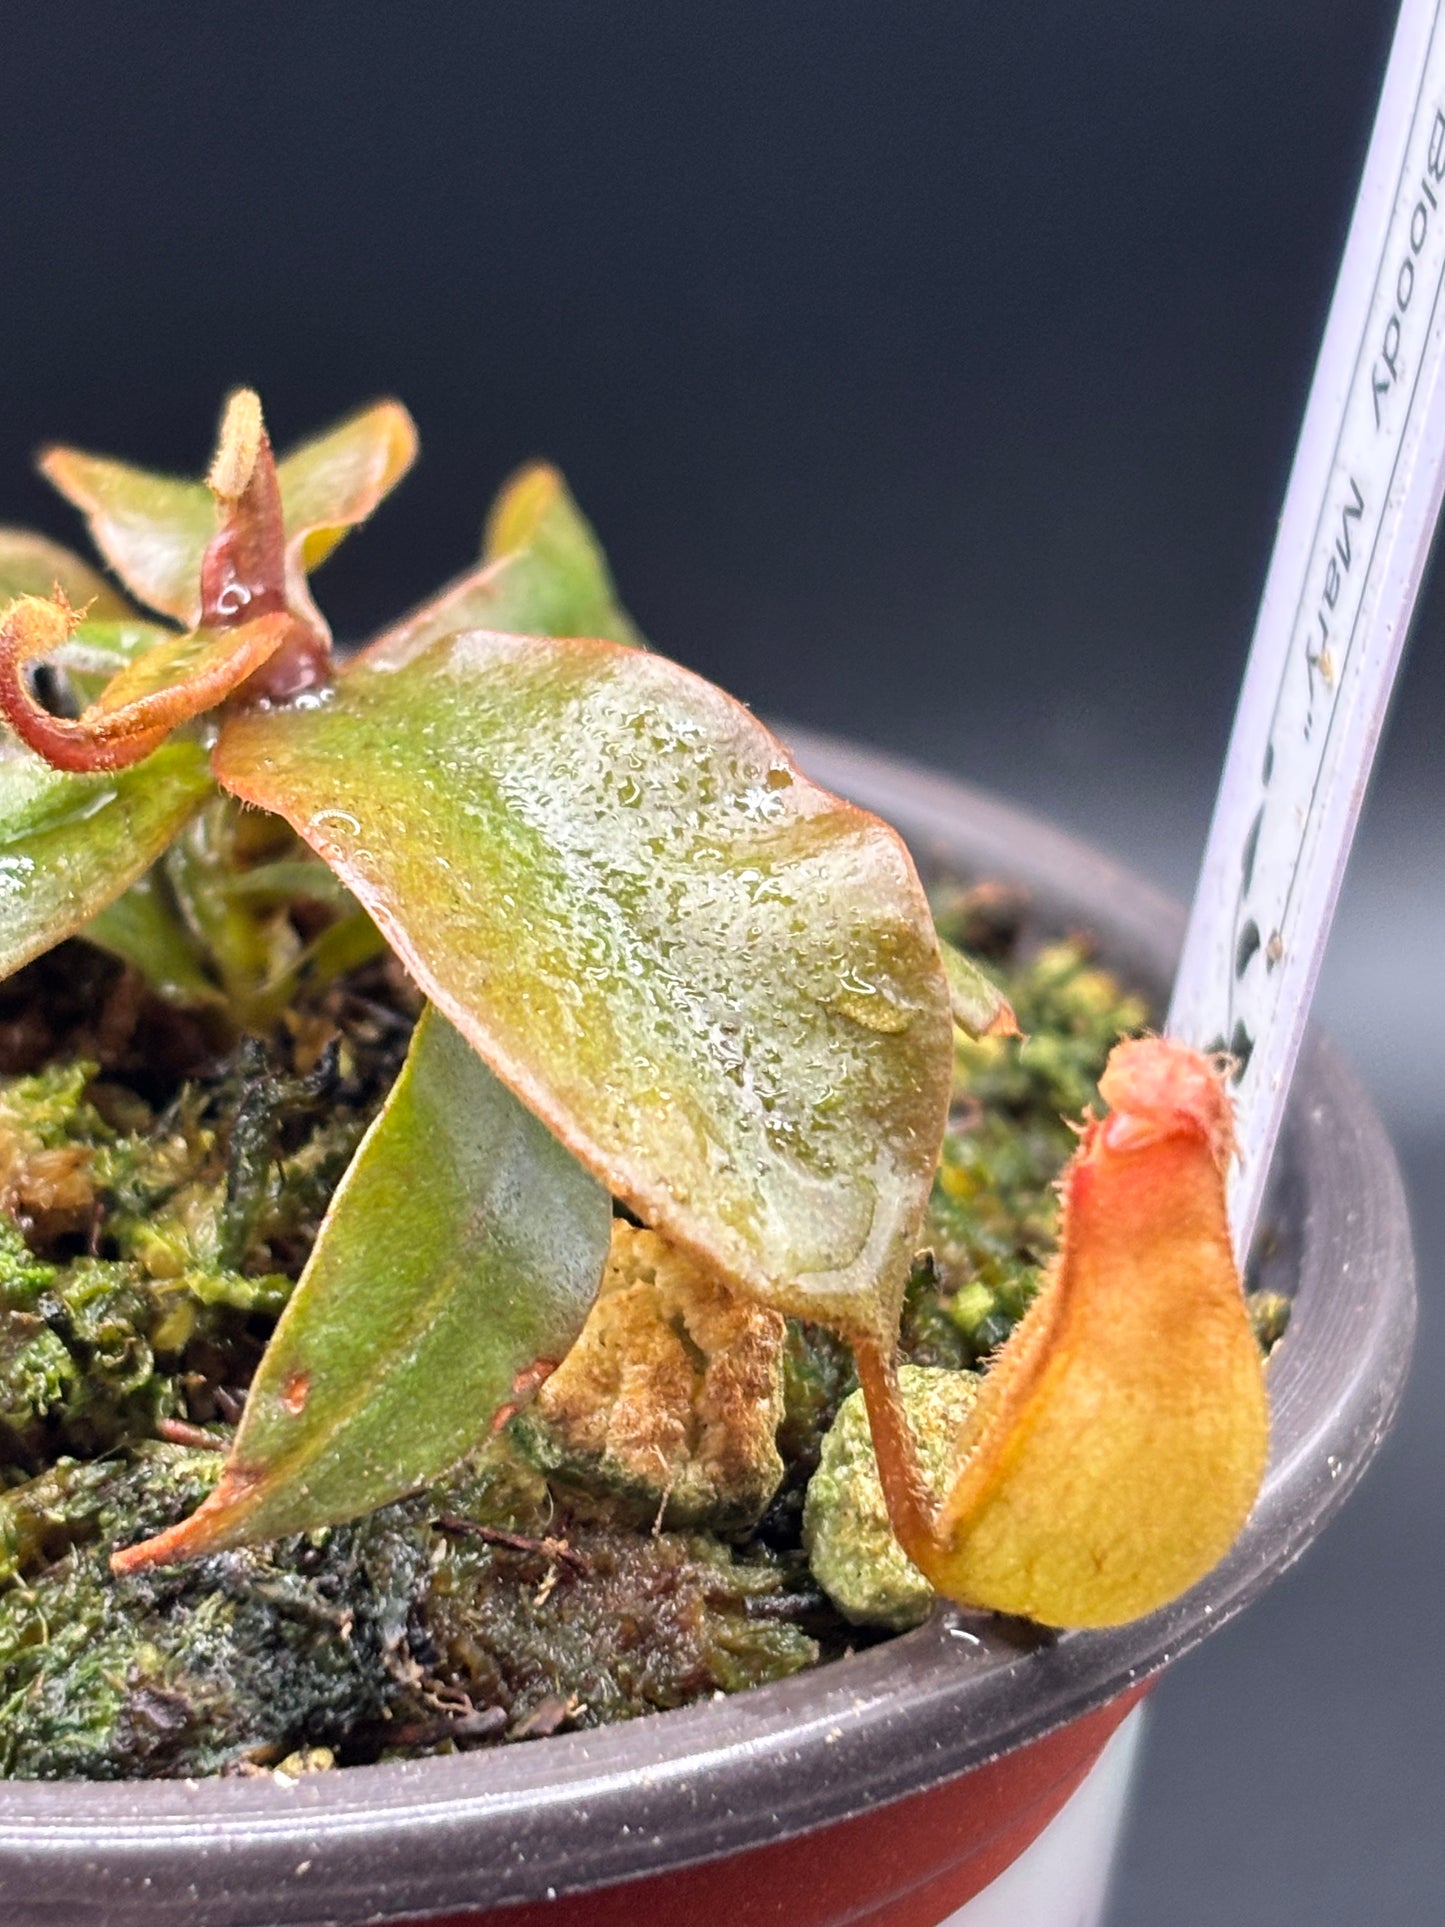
x=851 y=1548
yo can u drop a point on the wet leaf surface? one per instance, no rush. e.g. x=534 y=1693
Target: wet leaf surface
x=71 y=844
x=463 y=1245
x=716 y=982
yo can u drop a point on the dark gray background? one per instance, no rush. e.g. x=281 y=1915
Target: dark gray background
x=932 y=373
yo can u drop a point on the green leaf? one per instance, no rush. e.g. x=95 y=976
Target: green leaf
x=463 y=1247
x=69 y=845
x=96 y=652
x=334 y=481
x=717 y=983
x=979 y=1007
x=153 y=529
x=143 y=928
x=33 y=565
x=246 y=942
x=543 y=573
x=289 y=879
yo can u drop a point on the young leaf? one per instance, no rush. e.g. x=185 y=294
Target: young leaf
x=33 y=565
x=718 y=984
x=463 y=1247
x=69 y=845
x=135 y=712
x=979 y=1007
x=334 y=481
x=246 y=943
x=537 y=526
x=96 y=652
x=154 y=529
x=189 y=673
x=543 y=573
x=1118 y=1441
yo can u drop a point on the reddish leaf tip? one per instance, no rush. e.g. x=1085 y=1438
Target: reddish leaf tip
x=210 y=1528
x=1004 y=1022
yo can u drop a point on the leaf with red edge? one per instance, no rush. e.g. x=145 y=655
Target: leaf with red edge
x=717 y=983
x=70 y=845
x=463 y=1247
x=154 y=529
x=543 y=573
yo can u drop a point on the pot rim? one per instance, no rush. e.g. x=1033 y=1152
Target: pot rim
x=670 y=1789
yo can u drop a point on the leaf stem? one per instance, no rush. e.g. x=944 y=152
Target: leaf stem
x=912 y=1504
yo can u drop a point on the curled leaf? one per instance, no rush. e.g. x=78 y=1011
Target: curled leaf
x=463 y=1246
x=1119 y=1439
x=139 y=707
x=717 y=983
x=96 y=652
x=979 y=1007
x=69 y=845
x=543 y=573
x=155 y=529
x=33 y=565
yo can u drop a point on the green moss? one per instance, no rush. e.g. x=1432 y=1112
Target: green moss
x=23 y=1276
x=1269 y=1314
x=48 y=1111
x=463 y=1614
x=993 y=1215
x=183 y=1671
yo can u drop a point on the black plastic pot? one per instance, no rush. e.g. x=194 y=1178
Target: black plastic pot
x=884 y=1788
